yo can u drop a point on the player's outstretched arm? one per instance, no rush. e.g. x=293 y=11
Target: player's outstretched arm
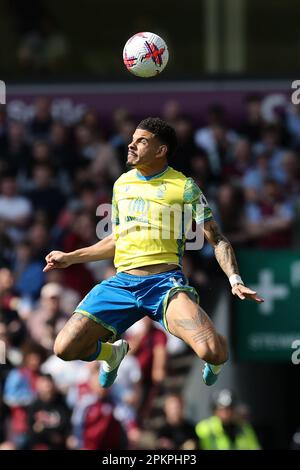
x=105 y=249
x=226 y=258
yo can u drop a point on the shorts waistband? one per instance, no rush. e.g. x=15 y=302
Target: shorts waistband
x=134 y=277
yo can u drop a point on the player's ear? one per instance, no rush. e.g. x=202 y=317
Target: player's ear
x=162 y=151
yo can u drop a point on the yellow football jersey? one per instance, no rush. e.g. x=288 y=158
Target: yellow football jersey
x=151 y=216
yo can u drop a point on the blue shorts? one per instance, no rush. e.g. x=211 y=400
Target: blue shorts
x=122 y=300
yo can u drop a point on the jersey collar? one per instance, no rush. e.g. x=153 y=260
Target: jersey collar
x=150 y=177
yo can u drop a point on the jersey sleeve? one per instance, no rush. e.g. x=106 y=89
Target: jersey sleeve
x=201 y=212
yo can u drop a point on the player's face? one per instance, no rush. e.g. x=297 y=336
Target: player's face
x=143 y=149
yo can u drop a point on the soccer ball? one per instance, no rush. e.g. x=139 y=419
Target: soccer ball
x=145 y=54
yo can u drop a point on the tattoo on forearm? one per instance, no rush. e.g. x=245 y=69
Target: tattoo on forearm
x=224 y=252
x=226 y=258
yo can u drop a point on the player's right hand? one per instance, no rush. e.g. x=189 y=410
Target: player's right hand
x=56 y=259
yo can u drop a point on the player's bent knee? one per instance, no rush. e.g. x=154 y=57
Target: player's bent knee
x=212 y=353
x=64 y=350
x=219 y=357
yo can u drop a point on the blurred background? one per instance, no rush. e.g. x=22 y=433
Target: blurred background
x=71 y=108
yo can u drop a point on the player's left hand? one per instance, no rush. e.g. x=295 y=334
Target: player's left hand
x=244 y=292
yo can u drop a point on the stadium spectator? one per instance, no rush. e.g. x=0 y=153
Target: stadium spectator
x=5 y=352
x=270 y=219
x=93 y=421
x=20 y=391
x=39 y=127
x=66 y=374
x=81 y=233
x=8 y=298
x=271 y=142
x=201 y=171
x=41 y=152
x=61 y=148
x=194 y=272
x=46 y=321
x=240 y=162
x=28 y=271
x=216 y=139
x=106 y=163
x=7 y=246
x=88 y=199
x=119 y=116
x=9 y=308
x=292 y=122
x=86 y=142
x=46 y=196
x=39 y=236
x=3 y=128
x=121 y=140
x=171 y=111
x=4 y=418
x=82 y=174
x=291 y=170
x=186 y=147
x=16 y=151
x=48 y=417
x=90 y=119
x=231 y=213
x=226 y=429
x=177 y=433
x=148 y=344
x=15 y=210
x=253 y=122
x=126 y=396
x=255 y=177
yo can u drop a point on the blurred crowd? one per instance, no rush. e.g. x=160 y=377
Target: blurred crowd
x=53 y=177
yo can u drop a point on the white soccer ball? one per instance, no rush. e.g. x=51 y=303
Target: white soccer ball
x=145 y=54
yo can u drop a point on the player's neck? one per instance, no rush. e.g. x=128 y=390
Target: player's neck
x=153 y=170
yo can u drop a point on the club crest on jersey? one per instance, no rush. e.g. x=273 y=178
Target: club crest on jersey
x=161 y=191
x=139 y=206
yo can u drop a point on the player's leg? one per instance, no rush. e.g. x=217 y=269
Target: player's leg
x=188 y=321
x=83 y=338
x=79 y=338
x=106 y=312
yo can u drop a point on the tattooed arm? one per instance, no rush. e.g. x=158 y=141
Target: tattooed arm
x=223 y=250
x=226 y=258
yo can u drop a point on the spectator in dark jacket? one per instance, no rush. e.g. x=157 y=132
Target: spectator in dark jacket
x=94 y=424
x=20 y=392
x=48 y=416
x=177 y=433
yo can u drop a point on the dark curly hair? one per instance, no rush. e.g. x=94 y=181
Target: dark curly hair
x=162 y=130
